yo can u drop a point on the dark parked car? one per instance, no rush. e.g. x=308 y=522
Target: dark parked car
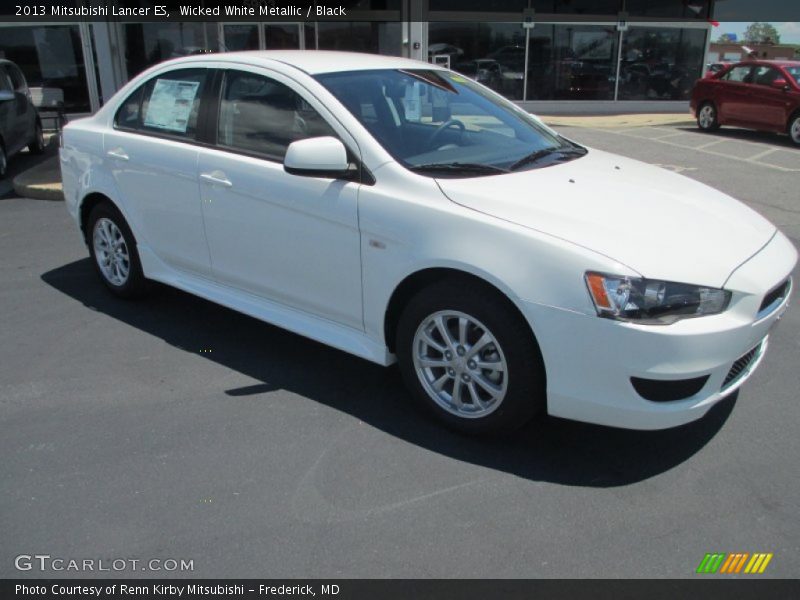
x=763 y=95
x=19 y=122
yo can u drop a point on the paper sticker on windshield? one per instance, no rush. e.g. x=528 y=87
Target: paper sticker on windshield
x=412 y=102
x=171 y=104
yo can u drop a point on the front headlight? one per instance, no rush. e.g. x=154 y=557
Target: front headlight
x=652 y=302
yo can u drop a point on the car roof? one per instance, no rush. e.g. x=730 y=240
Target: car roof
x=773 y=63
x=315 y=62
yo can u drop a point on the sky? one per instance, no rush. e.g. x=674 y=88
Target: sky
x=790 y=32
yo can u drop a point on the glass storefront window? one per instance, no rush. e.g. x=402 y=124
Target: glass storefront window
x=490 y=53
x=575 y=7
x=280 y=37
x=50 y=57
x=669 y=9
x=147 y=44
x=374 y=37
x=578 y=7
x=660 y=63
x=239 y=37
x=572 y=62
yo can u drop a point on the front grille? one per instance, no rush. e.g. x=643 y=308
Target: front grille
x=774 y=297
x=740 y=367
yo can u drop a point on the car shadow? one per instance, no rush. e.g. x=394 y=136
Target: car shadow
x=550 y=449
x=746 y=135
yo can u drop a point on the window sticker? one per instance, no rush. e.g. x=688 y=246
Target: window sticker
x=412 y=102
x=171 y=104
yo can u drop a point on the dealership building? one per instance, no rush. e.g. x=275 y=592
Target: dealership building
x=544 y=54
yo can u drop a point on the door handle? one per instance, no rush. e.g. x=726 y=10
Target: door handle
x=216 y=178
x=118 y=153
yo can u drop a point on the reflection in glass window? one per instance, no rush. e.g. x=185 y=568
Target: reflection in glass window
x=147 y=44
x=282 y=37
x=240 y=37
x=373 y=37
x=668 y=9
x=50 y=57
x=572 y=62
x=660 y=63
x=263 y=116
x=490 y=53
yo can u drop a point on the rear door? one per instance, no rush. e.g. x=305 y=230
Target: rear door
x=734 y=94
x=152 y=153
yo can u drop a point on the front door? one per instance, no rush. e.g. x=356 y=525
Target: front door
x=287 y=238
x=769 y=105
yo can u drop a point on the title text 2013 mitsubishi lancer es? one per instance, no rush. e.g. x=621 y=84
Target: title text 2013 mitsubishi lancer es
x=399 y=211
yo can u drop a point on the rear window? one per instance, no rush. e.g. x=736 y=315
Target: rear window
x=168 y=104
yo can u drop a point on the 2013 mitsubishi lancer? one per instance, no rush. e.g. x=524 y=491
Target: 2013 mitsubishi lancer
x=399 y=211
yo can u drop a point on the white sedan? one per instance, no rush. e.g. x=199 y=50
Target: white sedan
x=401 y=212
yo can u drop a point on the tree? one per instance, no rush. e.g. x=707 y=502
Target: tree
x=762 y=33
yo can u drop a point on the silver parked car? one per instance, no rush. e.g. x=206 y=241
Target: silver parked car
x=19 y=122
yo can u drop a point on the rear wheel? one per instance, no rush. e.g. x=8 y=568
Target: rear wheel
x=794 y=129
x=113 y=250
x=37 y=143
x=707 y=117
x=470 y=358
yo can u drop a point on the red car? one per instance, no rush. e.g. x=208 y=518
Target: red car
x=763 y=95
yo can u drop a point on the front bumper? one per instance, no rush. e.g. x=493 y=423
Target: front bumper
x=590 y=360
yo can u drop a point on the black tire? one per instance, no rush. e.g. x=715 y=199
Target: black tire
x=793 y=129
x=707 y=125
x=525 y=392
x=37 y=143
x=134 y=285
x=3 y=161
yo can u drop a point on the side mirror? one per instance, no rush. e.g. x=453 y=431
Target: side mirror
x=780 y=84
x=6 y=96
x=317 y=157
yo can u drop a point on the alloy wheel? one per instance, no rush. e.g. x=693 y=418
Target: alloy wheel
x=460 y=364
x=706 y=117
x=111 y=252
x=794 y=130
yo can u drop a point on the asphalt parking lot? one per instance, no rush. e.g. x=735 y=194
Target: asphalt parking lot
x=173 y=428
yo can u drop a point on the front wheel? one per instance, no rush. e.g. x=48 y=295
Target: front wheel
x=470 y=358
x=794 y=129
x=707 y=119
x=113 y=250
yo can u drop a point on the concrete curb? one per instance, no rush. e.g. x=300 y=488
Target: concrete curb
x=42 y=182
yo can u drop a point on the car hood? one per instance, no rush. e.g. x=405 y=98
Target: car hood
x=660 y=224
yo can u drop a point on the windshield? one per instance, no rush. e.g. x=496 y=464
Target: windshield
x=440 y=123
x=794 y=72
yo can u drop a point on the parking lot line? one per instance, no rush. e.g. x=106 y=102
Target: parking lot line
x=705 y=148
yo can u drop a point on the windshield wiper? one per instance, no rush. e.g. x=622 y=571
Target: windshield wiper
x=534 y=157
x=459 y=167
